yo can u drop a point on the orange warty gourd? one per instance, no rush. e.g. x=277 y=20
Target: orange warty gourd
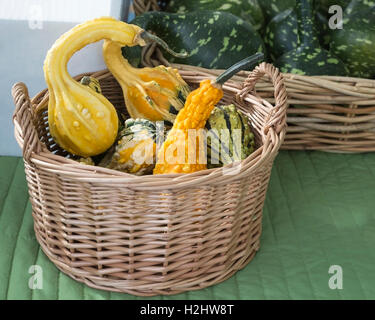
x=193 y=115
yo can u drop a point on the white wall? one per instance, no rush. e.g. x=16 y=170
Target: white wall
x=54 y=10
x=28 y=28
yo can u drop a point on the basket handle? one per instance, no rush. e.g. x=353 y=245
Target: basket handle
x=25 y=131
x=276 y=118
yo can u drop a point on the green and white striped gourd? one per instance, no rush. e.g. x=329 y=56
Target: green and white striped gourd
x=224 y=151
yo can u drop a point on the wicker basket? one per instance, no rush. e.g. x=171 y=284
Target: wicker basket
x=149 y=235
x=327 y=113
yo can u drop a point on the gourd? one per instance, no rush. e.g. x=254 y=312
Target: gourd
x=81 y=120
x=177 y=155
x=281 y=34
x=230 y=137
x=151 y=93
x=135 y=150
x=248 y=10
x=309 y=57
x=355 y=42
x=214 y=39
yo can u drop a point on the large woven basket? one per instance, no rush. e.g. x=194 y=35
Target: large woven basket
x=335 y=114
x=149 y=235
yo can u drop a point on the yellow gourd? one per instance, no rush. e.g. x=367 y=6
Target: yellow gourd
x=81 y=120
x=150 y=93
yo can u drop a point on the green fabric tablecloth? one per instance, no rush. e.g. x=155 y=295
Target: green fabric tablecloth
x=319 y=213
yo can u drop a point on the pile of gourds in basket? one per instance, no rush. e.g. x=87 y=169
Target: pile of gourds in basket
x=160 y=103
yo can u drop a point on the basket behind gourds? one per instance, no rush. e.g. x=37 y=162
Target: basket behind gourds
x=150 y=235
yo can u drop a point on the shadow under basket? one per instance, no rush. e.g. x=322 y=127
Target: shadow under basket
x=150 y=235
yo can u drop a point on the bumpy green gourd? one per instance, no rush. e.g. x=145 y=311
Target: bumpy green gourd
x=309 y=57
x=221 y=152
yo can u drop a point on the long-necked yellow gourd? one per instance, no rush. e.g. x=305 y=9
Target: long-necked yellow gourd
x=82 y=121
x=150 y=93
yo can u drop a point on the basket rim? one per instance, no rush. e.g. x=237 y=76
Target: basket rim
x=71 y=167
x=81 y=172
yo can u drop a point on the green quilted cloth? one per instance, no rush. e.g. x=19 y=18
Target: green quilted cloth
x=319 y=212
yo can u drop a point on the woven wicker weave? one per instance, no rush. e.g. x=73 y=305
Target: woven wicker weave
x=327 y=113
x=149 y=235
